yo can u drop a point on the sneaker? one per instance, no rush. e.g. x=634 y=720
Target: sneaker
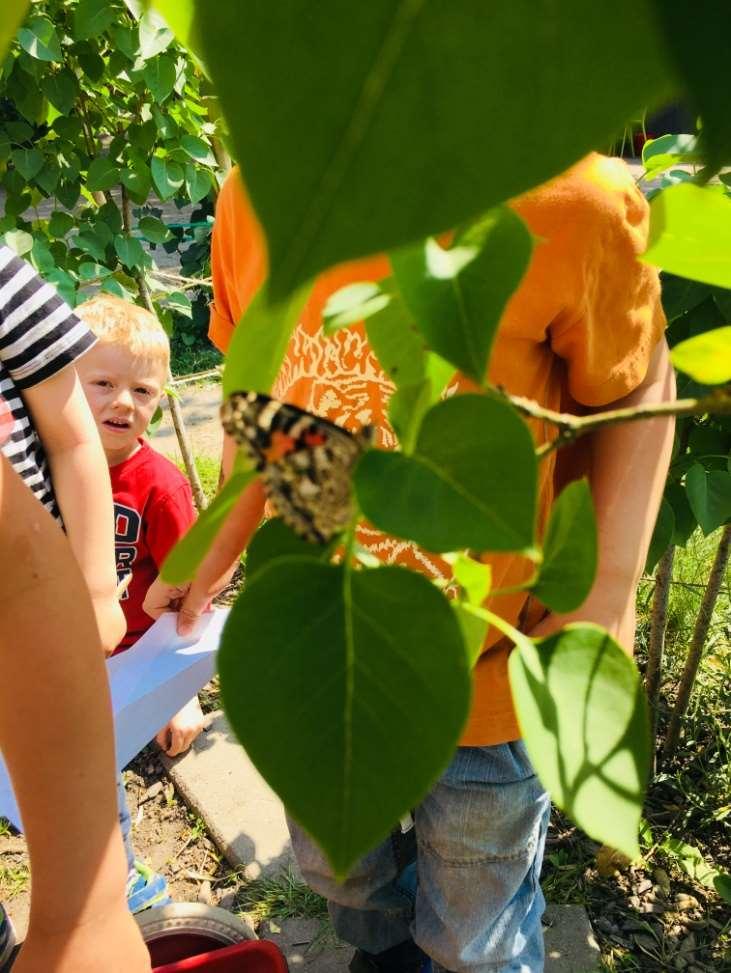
x=7 y=938
x=146 y=889
x=404 y=958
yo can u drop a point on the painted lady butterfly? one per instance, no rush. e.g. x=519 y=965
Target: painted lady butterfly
x=306 y=462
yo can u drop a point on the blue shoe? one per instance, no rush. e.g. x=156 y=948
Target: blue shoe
x=146 y=889
x=7 y=938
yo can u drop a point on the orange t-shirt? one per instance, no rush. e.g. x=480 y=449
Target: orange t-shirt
x=580 y=328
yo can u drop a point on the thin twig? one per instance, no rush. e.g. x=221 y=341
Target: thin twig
x=179 y=279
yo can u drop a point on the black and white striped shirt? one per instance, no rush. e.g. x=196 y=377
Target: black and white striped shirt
x=39 y=336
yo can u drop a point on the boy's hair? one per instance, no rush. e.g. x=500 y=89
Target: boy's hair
x=118 y=322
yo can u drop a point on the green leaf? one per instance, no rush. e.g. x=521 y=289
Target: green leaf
x=583 y=716
x=109 y=213
x=722 y=885
x=28 y=162
x=155 y=35
x=154 y=230
x=690 y=859
x=463 y=487
x=185 y=558
x=19 y=241
x=709 y=495
x=474 y=577
x=67 y=191
x=569 y=551
x=352 y=304
x=102 y=175
x=690 y=234
x=92 y=271
x=64 y=284
x=406 y=409
x=61 y=89
x=680 y=295
x=475 y=624
x=681 y=148
x=92 y=242
x=198 y=183
x=49 y=176
x=397 y=342
x=40 y=40
x=41 y=256
x=662 y=536
x=180 y=303
x=129 y=251
x=698 y=44
x=126 y=40
x=532 y=79
x=259 y=343
x=338 y=657
x=706 y=357
x=275 y=539
x=199 y=150
x=159 y=75
x=457 y=296
x=11 y=18
x=167 y=177
x=179 y=15
x=92 y=18
x=683 y=516
x=60 y=223
x=137 y=180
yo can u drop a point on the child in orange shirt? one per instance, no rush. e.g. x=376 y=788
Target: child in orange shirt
x=583 y=330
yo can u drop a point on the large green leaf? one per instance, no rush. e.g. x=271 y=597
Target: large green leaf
x=259 y=343
x=397 y=342
x=129 y=250
x=40 y=40
x=186 y=557
x=470 y=482
x=698 y=43
x=684 y=519
x=199 y=150
x=440 y=110
x=709 y=494
x=137 y=180
x=11 y=17
x=457 y=296
x=583 y=716
x=690 y=234
x=198 y=182
x=179 y=17
x=92 y=17
x=159 y=75
x=569 y=550
x=706 y=357
x=103 y=174
x=361 y=688
x=155 y=35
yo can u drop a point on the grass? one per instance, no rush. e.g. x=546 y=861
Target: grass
x=281 y=897
x=209 y=469
x=4 y=827
x=13 y=880
x=186 y=360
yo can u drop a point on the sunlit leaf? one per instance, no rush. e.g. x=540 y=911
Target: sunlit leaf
x=706 y=357
x=569 y=550
x=583 y=716
x=690 y=234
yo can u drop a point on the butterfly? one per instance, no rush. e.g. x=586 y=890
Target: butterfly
x=306 y=462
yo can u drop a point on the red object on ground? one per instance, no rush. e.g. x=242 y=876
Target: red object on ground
x=252 y=956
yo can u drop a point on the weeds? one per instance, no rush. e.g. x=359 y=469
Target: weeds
x=281 y=897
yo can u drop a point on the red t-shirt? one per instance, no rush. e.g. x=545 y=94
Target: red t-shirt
x=153 y=508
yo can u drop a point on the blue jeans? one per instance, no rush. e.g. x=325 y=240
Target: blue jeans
x=476 y=904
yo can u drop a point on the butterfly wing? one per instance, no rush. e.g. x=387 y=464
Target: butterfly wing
x=306 y=462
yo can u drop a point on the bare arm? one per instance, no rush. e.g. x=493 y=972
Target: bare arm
x=81 y=482
x=56 y=736
x=628 y=477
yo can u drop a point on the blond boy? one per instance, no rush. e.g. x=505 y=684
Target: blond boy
x=123 y=377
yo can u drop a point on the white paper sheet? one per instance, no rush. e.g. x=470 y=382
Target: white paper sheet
x=149 y=684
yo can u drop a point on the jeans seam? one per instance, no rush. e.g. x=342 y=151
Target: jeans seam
x=526 y=853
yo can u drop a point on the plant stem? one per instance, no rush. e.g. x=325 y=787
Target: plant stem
x=176 y=413
x=663 y=578
x=571 y=426
x=700 y=633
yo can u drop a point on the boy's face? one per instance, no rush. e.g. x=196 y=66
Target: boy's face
x=123 y=391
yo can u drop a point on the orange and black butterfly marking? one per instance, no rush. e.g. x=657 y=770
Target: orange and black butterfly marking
x=306 y=462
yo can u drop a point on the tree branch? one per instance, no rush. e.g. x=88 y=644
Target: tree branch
x=570 y=426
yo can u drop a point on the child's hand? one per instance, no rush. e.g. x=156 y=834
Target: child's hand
x=110 y=621
x=162 y=597
x=182 y=729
